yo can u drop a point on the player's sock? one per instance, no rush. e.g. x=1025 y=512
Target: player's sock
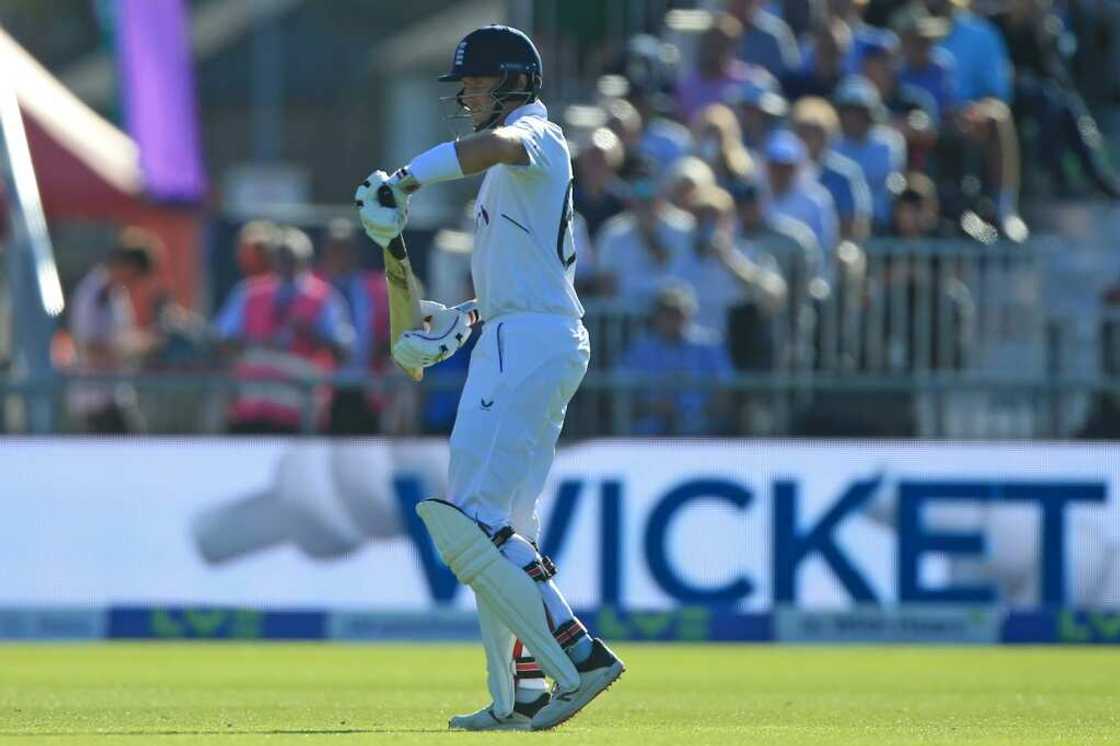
x=529 y=682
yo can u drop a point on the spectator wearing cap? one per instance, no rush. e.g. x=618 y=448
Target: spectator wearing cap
x=684 y=181
x=355 y=411
x=913 y=110
x=824 y=67
x=725 y=277
x=689 y=362
x=783 y=244
x=761 y=108
x=816 y=123
x=638 y=249
x=598 y=192
x=879 y=150
x=793 y=193
x=106 y=336
x=717 y=73
x=284 y=328
x=719 y=143
x=767 y=40
x=925 y=66
x=254 y=246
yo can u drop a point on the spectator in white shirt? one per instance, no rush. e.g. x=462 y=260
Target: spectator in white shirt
x=639 y=249
x=106 y=337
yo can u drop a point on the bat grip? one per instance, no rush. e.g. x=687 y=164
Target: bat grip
x=385 y=196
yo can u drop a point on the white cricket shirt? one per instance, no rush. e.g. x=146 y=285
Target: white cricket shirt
x=524 y=257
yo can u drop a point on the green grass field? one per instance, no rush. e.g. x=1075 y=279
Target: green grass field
x=335 y=694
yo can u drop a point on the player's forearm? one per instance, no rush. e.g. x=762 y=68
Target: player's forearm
x=469 y=155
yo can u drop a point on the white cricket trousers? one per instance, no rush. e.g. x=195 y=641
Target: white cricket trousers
x=523 y=372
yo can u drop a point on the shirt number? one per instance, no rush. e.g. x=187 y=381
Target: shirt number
x=565 y=224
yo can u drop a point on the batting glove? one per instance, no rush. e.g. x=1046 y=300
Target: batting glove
x=448 y=329
x=382 y=222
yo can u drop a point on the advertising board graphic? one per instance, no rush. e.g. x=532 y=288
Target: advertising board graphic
x=737 y=527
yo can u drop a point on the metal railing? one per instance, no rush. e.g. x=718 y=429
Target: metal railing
x=610 y=403
x=934 y=339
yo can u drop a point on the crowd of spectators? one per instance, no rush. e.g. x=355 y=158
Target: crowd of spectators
x=745 y=155
x=727 y=179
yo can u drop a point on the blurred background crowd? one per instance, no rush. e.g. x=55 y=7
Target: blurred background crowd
x=796 y=217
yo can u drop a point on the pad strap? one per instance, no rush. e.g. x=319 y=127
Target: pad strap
x=569 y=633
x=540 y=569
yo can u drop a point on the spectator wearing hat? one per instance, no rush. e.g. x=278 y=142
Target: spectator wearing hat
x=824 y=63
x=816 y=123
x=254 y=245
x=925 y=66
x=879 y=150
x=913 y=111
x=684 y=181
x=717 y=73
x=598 y=191
x=638 y=249
x=767 y=40
x=761 y=108
x=725 y=277
x=719 y=143
x=690 y=361
x=793 y=193
x=789 y=247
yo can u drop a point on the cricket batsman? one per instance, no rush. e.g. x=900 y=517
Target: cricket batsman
x=529 y=361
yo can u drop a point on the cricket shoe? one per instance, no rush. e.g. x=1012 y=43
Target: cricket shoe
x=520 y=719
x=601 y=669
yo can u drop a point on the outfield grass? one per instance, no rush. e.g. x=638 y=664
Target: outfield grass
x=728 y=695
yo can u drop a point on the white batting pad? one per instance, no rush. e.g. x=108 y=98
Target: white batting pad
x=498 y=642
x=511 y=595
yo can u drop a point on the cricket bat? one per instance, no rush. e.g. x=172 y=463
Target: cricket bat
x=404 y=291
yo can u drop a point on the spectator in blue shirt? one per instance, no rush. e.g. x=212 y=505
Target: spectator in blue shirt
x=767 y=40
x=983 y=64
x=676 y=349
x=879 y=150
x=794 y=194
x=864 y=35
x=824 y=67
x=925 y=66
x=912 y=110
x=815 y=122
x=761 y=108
